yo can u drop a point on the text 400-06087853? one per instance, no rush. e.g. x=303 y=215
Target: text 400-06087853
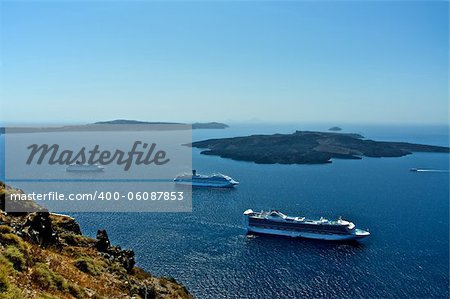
x=155 y=195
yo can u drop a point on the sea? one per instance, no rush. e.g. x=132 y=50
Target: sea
x=208 y=250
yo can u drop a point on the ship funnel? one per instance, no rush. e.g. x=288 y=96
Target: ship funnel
x=194 y=172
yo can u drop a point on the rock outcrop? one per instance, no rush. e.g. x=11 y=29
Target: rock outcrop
x=38 y=229
x=103 y=242
x=114 y=253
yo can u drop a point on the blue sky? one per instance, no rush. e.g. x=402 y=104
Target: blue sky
x=297 y=61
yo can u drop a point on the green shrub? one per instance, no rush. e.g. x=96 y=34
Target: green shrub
x=47 y=279
x=4 y=229
x=75 y=291
x=41 y=276
x=12 y=239
x=86 y=265
x=60 y=283
x=4 y=280
x=47 y=296
x=4 y=262
x=15 y=257
x=12 y=293
x=5 y=270
x=77 y=240
x=117 y=268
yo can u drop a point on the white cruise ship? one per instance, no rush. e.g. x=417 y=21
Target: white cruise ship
x=212 y=181
x=84 y=167
x=277 y=223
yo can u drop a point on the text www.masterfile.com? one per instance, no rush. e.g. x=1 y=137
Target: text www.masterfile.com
x=101 y=195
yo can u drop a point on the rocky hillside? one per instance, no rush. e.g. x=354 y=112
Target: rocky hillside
x=44 y=255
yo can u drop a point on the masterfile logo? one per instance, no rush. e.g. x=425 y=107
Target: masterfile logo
x=53 y=155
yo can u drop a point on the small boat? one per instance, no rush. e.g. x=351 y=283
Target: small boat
x=276 y=223
x=428 y=170
x=84 y=167
x=217 y=180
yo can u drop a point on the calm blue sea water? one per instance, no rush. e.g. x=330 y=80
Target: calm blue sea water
x=407 y=213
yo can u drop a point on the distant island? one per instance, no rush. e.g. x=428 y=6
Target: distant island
x=117 y=125
x=133 y=122
x=307 y=147
x=210 y=125
x=335 y=129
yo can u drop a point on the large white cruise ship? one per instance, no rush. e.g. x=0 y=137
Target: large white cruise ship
x=213 y=181
x=277 y=223
x=84 y=167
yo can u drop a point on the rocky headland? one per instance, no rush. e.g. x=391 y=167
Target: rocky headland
x=45 y=255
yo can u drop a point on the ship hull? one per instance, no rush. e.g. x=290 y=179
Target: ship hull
x=206 y=184
x=307 y=235
x=84 y=169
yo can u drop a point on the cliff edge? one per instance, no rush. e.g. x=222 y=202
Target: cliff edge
x=45 y=255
